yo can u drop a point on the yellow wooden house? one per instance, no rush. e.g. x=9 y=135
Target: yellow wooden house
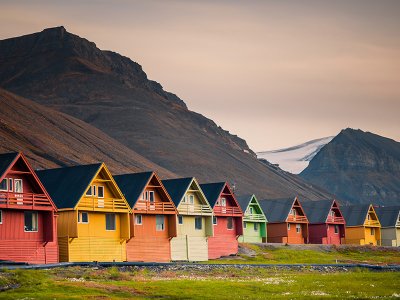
x=194 y=220
x=93 y=222
x=362 y=225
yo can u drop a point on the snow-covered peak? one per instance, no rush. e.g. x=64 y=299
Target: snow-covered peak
x=295 y=159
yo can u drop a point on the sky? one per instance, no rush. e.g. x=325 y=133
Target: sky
x=276 y=73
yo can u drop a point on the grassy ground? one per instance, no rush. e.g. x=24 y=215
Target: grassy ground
x=228 y=283
x=312 y=254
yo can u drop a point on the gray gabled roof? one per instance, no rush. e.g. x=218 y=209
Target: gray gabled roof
x=177 y=188
x=212 y=191
x=67 y=185
x=317 y=211
x=355 y=215
x=276 y=210
x=132 y=185
x=388 y=215
x=244 y=201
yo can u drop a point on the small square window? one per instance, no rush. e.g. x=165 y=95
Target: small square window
x=298 y=228
x=4 y=185
x=110 y=222
x=160 y=223
x=215 y=221
x=100 y=191
x=229 y=223
x=31 y=221
x=255 y=226
x=83 y=217
x=180 y=220
x=138 y=219
x=198 y=223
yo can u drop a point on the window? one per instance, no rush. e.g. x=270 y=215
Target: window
x=94 y=190
x=332 y=213
x=110 y=221
x=191 y=199
x=144 y=195
x=198 y=223
x=89 y=191
x=223 y=202
x=83 y=217
x=255 y=226
x=151 y=196
x=31 y=221
x=372 y=231
x=368 y=217
x=184 y=199
x=244 y=225
x=10 y=184
x=229 y=223
x=251 y=210
x=1 y=217
x=288 y=226
x=100 y=191
x=336 y=229
x=160 y=225
x=215 y=221
x=298 y=228
x=138 y=220
x=218 y=203
x=180 y=220
x=293 y=212
x=18 y=185
x=4 y=185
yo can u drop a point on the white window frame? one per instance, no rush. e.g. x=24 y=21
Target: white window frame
x=163 y=224
x=201 y=223
x=288 y=226
x=298 y=228
x=332 y=213
x=149 y=197
x=251 y=210
x=1 y=217
x=180 y=220
x=256 y=227
x=215 y=220
x=137 y=217
x=223 y=202
x=293 y=212
x=115 y=221
x=80 y=213
x=89 y=192
x=22 y=185
x=100 y=187
x=184 y=199
x=227 y=223
x=10 y=184
x=94 y=191
x=5 y=190
x=191 y=199
x=368 y=217
x=37 y=221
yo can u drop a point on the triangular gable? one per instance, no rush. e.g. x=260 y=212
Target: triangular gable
x=9 y=161
x=371 y=210
x=335 y=206
x=134 y=184
x=254 y=201
x=297 y=205
x=246 y=200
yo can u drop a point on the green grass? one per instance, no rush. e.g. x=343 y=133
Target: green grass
x=227 y=283
x=291 y=255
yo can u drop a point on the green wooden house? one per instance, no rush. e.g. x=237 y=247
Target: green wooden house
x=194 y=220
x=254 y=220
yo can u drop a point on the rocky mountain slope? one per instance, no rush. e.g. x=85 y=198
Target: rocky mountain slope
x=358 y=166
x=111 y=92
x=50 y=138
x=295 y=159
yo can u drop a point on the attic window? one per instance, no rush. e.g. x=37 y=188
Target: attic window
x=151 y=196
x=332 y=213
x=251 y=210
x=10 y=185
x=191 y=199
x=293 y=212
x=100 y=191
x=223 y=202
x=4 y=185
x=89 y=191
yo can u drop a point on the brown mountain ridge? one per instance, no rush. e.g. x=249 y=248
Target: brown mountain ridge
x=111 y=92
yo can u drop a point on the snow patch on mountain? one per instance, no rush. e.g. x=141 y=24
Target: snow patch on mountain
x=295 y=159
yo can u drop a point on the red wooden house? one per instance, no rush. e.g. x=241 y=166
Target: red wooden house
x=153 y=222
x=287 y=222
x=327 y=225
x=28 y=225
x=227 y=220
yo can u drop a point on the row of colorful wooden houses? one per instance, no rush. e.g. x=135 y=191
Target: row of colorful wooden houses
x=84 y=213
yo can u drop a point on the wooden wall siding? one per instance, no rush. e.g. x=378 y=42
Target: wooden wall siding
x=161 y=206
x=362 y=236
x=325 y=234
x=198 y=208
x=189 y=248
x=278 y=233
x=148 y=244
x=190 y=244
x=33 y=252
x=13 y=227
x=390 y=236
x=224 y=242
x=252 y=236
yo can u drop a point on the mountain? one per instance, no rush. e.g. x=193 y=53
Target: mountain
x=50 y=138
x=358 y=166
x=295 y=159
x=111 y=92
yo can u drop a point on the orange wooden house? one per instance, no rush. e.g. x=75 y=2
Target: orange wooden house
x=153 y=222
x=28 y=225
x=227 y=220
x=287 y=222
